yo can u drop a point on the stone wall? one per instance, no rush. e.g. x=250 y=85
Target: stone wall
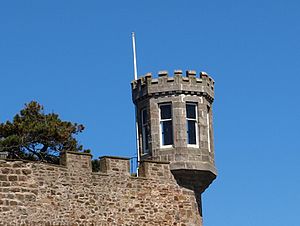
x=71 y=194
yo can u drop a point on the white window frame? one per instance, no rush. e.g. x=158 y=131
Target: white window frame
x=144 y=126
x=196 y=124
x=208 y=128
x=160 y=126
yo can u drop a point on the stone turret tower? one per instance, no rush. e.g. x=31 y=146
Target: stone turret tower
x=174 y=115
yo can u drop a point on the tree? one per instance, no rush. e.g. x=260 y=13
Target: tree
x=34 y=135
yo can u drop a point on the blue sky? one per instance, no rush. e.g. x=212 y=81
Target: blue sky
x=75 y=58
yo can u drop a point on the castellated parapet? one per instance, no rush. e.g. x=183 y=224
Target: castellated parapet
x=164 y=85
x=41 y=194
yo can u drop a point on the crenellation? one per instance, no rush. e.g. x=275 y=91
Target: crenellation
x=115 y=165
x=177 y=72
x=188 y=79
x=191 y=74
x=163 y=74
x=148 y=76
x=147 y=86
x=209 y=81
x=59 y=195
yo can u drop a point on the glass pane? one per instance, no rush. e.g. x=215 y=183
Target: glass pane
x=145 y=139
x=167 y=133
x=144 y=116
x=191 y=111
x=165 y=111
x=191 y=130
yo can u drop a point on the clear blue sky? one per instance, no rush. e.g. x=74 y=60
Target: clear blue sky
x=75 y=58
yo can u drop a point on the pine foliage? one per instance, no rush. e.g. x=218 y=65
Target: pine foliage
x=34 y=135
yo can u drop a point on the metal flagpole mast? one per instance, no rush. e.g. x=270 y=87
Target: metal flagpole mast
x=136 y=111
x=134 y=56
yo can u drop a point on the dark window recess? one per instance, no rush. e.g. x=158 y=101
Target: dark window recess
x=146 y=139
x=165 y=111
x=167 y=133
x=191 y=123
x=191 y=130
x=191 y=111
x=144 y=116
x=145 y=132
x=166 y=124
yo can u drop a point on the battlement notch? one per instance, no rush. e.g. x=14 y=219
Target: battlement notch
x=147 y=86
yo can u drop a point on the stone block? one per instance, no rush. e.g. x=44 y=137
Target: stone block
x=12 y=177
x=115 y=165
x=3 y=177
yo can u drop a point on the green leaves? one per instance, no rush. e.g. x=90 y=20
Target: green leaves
x=35 y=135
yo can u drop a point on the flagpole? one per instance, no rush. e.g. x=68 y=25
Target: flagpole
x=136 y=110
x=134 y=56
